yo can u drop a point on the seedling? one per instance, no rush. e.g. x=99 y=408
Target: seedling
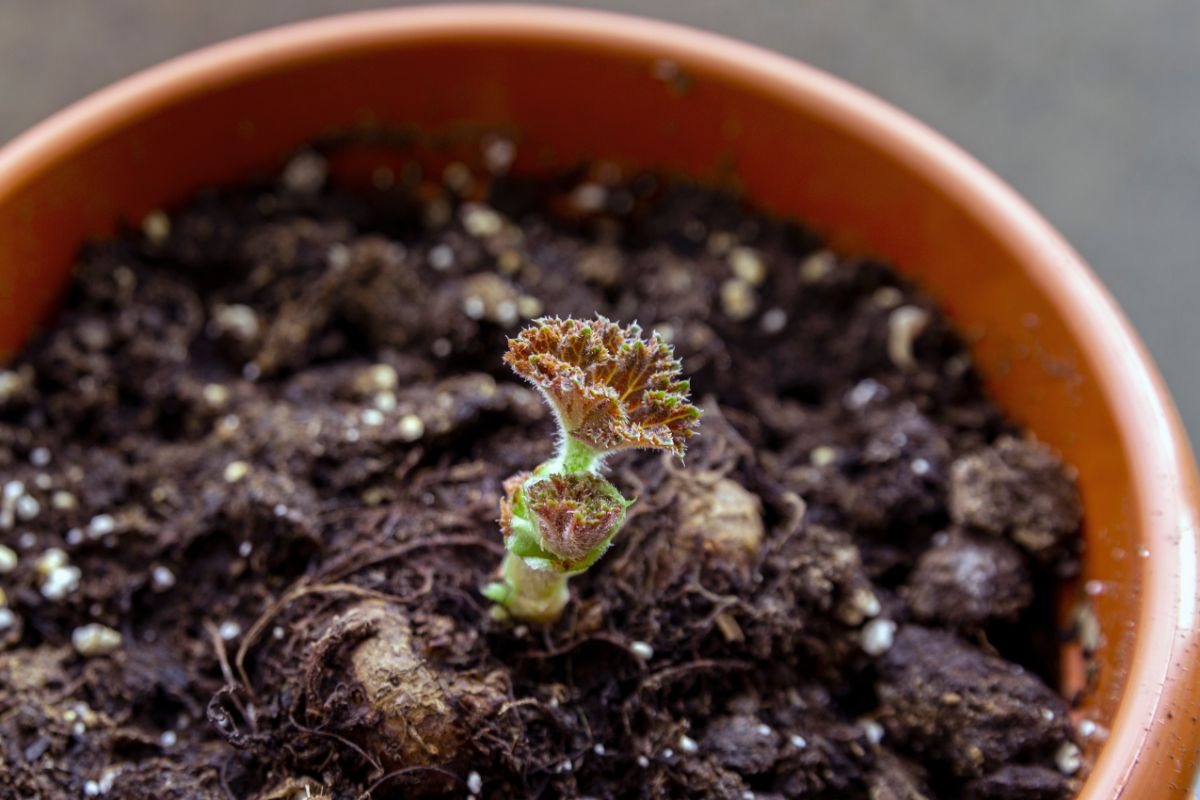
x=610 y=390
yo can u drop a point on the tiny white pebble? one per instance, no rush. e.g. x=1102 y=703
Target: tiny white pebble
x=643 y=762
x=817 y=266
x=774 y=321
x=7 y=618
x=506 y=312
x=1087 y=728
x=877 y=636
x=229 y=630
x=168 y=739
x=235 y=471
x=565 y=766
x=905 y=324
x=887 y=297
x=245 y=549
x=763 y=730
x=919 y=466
x=162 y=578
x=687 y=744
x=305 y=173
x=410 y=427
x=156 y=226
x=441 y=257
x=798 y=742
x=39 y=456
x=1047 y=715
x=747 y=265
x=1143 y=552
x=61 y=582
x=101 y=525
x=822 y=456
x=528 y=306
x=668 y=753
x=91 y=789
x=237 y=320
x=598 y=749
x=277 y=632
x=28 y=507
x=480 y=221
x=498 y=155
x=8 y=559
x=372 y=417
x=63 y=501
x=384 y=401
x=43 y=481
x=642 y=650
x=864 y=392
x=73 y=537
x=474 y=783
x=866 y=602
x=1068 y=759
x=52 y=559
x=27 y=540
x=474 y=307
x=280 y=510
x=338 y=257
x=873 y=730
x=215 y=394
x=747 y=795
x=95 y=639
x=13 y=490
x=589 y=197
x=738 y=299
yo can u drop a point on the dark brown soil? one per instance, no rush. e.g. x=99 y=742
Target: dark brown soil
x=264 y=445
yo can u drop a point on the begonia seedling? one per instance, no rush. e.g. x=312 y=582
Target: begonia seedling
x=610 y=390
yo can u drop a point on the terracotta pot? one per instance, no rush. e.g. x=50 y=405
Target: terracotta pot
x=1058 y=354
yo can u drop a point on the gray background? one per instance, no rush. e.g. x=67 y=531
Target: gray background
x=1090 y=108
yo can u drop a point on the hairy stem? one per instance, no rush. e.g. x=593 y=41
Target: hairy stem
x=526 y=593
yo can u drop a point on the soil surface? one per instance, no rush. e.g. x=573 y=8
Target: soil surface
x=251 y=481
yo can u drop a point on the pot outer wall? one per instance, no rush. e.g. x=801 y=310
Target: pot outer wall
x=569 y=85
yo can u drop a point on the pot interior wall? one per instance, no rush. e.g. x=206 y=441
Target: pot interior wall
x=565 y=101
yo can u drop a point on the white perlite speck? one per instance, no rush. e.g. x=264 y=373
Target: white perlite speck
x=873 y=730
x=410 y=427
x=643 y=762
x=642 y=650
x=1068 y=759
x=8 y=559
x=229 y=630
x=441 y=257
x=27 y=507
x=7 y=619
x=371 y=417
x=798 y=742
x=168 y=739
x=235 y=471
x=39 y=456
x=687 y=744
x=474 y=783
x=480 y=220
x=162 y=578
x=101 y=525
x=877 y=636
x=95 y=639
x=905 y=324
x=61 y=582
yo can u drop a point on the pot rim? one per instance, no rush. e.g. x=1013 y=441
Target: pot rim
x=1165 y=490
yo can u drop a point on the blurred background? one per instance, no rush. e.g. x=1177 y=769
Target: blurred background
x=1090 y=108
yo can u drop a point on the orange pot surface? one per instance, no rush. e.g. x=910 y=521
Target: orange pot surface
x=1058 y=355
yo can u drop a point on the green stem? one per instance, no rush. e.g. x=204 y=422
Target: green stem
x=574 y=456
x=530 y=594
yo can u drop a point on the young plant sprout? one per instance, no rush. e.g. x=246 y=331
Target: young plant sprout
x=610 y=390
